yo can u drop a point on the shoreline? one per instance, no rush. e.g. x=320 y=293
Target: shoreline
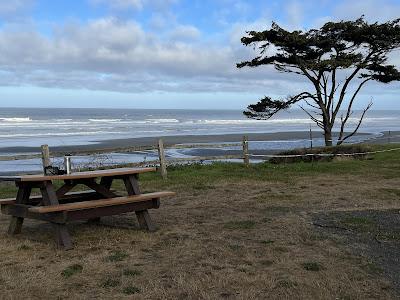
x=185 y=139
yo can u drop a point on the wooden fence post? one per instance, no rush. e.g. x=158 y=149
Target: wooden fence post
x=45 y=157
x=163 y=162
x=246 y=159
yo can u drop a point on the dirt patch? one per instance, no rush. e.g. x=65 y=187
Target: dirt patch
x=373 y=234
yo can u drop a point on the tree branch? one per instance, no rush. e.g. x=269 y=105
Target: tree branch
x=314 y=119
x=346 y=83
x=358 y=125
x=348 y=113
x=333 y=88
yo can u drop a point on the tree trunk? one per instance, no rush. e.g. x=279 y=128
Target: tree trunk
x=328 y=137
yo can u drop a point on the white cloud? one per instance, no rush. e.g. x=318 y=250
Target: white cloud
x=120 y=4
x=9 y=8
x=294 y=12
x=185 y=32
x=134 y=4
x=374 y=10
x=110 y=54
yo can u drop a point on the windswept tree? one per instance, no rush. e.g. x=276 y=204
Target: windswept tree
x=338 y=59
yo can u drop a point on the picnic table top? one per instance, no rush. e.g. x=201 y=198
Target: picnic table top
x=78 y=175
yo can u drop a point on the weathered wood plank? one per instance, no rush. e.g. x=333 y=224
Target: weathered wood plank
x=100 y=203
x=62 y=236
x=45 y=157
x=86 y=214
x=132 y=185
x=78 y=175
x=163 y=162
x=144 y=220
x=23 y=194
x=246 y=159
x=50 y=199
x=22 y=211
x=68 y=185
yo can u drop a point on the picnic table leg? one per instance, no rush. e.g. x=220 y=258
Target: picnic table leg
x=132 y=187
x=68 y=185
x=62 y=236
x=106 y=182
x=24 y=192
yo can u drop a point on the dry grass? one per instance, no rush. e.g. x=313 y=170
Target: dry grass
x=230 y=233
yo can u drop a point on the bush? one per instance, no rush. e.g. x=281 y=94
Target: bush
x=305 y=157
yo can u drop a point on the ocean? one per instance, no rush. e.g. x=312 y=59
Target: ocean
x=31 y=127
x=22 y=128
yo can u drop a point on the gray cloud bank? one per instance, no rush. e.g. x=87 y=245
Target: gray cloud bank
x=112 y=54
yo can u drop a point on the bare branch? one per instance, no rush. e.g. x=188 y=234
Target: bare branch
x=333 y=89
x=324 y=85
x=349 y=112
x=314 y=119
x=311 y=105
x=340 y=141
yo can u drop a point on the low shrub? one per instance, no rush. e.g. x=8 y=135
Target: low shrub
x=304 y=153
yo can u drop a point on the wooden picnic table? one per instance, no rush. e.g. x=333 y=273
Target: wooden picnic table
x=60 y=206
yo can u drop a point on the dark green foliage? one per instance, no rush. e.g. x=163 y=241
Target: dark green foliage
x=110 y=283
x=24 y=247
x=312 y=266
x=117 y=256
x=130 y=290
x=357 y=149
x=319 y=55
x=71 y=270
x=131 y=272
x=267 y=242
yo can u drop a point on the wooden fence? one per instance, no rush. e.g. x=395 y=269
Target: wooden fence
x=163 y=161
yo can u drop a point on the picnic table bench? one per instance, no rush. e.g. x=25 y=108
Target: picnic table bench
x=60 y=206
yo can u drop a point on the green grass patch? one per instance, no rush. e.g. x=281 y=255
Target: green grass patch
x=202 y=186
x=110 y=283
x=267 y=242
x=234 y=225
x=312 y=266
x=130 y=290
x=116 y=256
x=24 y=247
x=266 y=263
x=72 y=270
x=132 y=272
x=287 y=284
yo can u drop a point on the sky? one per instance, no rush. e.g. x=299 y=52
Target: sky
x=159 y=53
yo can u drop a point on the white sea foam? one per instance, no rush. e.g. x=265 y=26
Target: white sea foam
x=56 y=134
x=252 y=121
x=280 y=121
x=105 y=120
x=157 y=121
x=27 y=119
